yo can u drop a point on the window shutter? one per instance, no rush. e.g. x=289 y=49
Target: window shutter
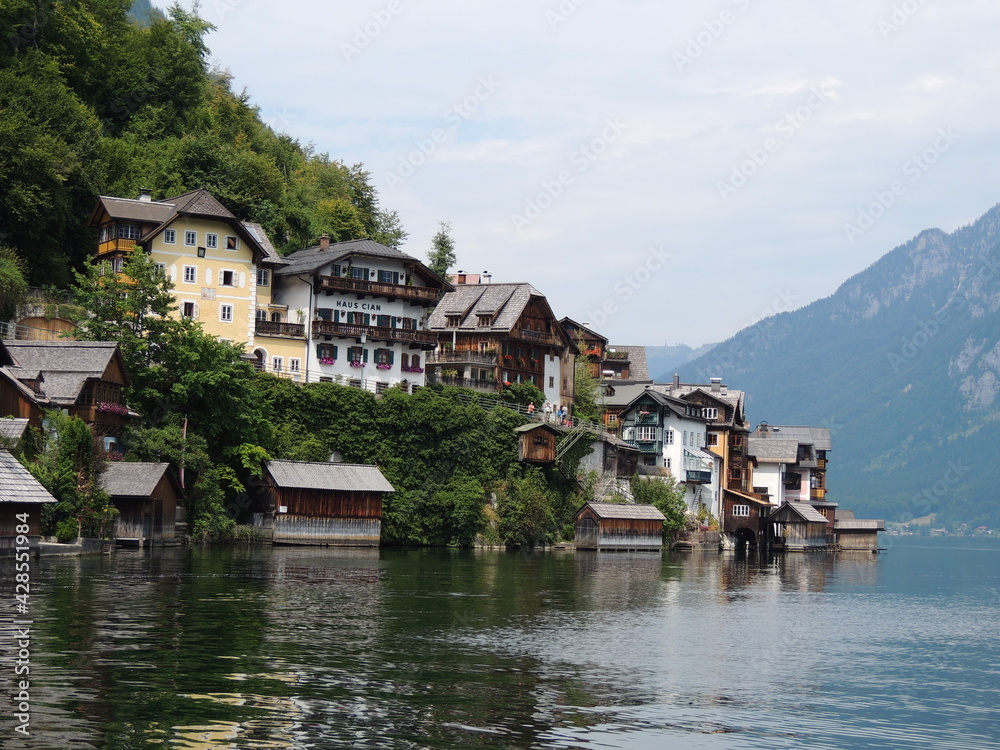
x=392 y=357
x=365 y=357
x=221 y=277
x=319 y=350
x=368 y=319
x=335 y=351
x=196 y=311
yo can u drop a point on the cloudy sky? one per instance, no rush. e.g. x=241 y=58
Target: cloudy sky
x=667 y=171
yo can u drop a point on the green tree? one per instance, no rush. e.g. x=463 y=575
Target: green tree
x=586 y=392
x=664 y=494
x=442 y=252
x=13 y=285
x=526 y=516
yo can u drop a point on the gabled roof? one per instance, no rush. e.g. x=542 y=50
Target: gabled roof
x=676 y=405
x=197 y=204
x=12 y=428
x=310 y=260
x=637 y=367
x=624 y=510
x=804 y=510
x=538 y=426
x=18 y=485
x=503 y=302
x=328 y=476
x=63 y=367
x=773 y=451
x=730 y=397
x=571 y=325
x=135 y=478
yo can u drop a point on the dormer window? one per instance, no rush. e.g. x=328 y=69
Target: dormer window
x=485 y=320
x=454 y=321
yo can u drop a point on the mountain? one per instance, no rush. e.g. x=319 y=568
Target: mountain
x=902 y=363
x=144 y=13
x=666 y=359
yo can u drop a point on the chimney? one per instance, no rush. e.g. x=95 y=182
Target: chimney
x=716 y=385
x=145 y=195
x=763 y=428
x=486 y=277
x=324 y=241
x=677 y=382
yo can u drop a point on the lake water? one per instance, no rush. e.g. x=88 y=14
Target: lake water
x=303 y=648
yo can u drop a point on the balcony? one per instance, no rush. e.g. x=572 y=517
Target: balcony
x=283 y=330
x=646 y=418
x=485 y=386
x=697 y=477
x=462 y=357
x=645 y=446
x=362 y=288
x=538 y=337
x=426 y=339
x=616 y=356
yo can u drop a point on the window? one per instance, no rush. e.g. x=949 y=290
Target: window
x=360 y=273
x=190 y=275
x=226 y=313
x=416 y=360
x=170 y=236
x=326 y=353
x=815 y=481
x=116 y=265
x=161 y=269
x=190 y=238
x=189 y=310
x=710 y=413
x=612 y=418
x=263 y=277
x=227 y=278
x=232 y=243
x=685 y=437
x=384 y=356
x=645 y=433
x=128 y=231
x=540 y=440
x=277 y=363
x=212 y=241
x=294 y=365
x=388 y=277
x=276 y=317
x=713 y=439
x=741 y=511
x=552 y=381
x=666 y=463
x=668 y=437
x=357 y=354
x=485 y=320
x=736 y=473
x=262 y=315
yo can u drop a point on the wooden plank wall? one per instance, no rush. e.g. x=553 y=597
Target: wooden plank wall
x=327 y=504
x=334 y=532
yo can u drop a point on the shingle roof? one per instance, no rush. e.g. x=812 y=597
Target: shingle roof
x=13 y=428
x=773 y=451
x=137 y=210
x=622 y=510
x=637 y=366
x=200 y=203
x=270 y=253
x=676 y=405
x=132 y=479
x=64 y=366
x=17 y=485
x=328 y=476
x=818 y=437
x=504 y=302
x=572 y=325
x=858 y=524
x=806 y=511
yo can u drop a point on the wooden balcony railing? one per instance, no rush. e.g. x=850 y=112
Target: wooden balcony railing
x=485 y=386
x=378 y=288
x=288 y=330
x=540 y=337
x=468 y=357
x=374 y=333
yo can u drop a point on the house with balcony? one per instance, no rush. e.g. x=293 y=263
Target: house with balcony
x=791 y=465
x=222 y=268
x=491 y=335
x=624 y=364
x=83 y=378
x=361 y=315
x=671 y=435
x=591 y=344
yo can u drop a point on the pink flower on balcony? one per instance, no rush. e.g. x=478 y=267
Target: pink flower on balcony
x=383 y=366
x=326 y=360
x=112 y=408
x=357 y=363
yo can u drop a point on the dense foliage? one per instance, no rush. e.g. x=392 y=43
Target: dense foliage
x=93 y=103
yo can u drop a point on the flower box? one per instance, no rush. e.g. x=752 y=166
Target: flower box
x=357 y=363
x=327 y=360
x=413 y=369
x=112 y=408
x=383 y=366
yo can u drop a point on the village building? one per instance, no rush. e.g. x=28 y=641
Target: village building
x=856 y=534
x=328 y=504
x=791 y=464
x=362 y=308
x=671 y=436
x=221 y=267
x=615 y=527
x=799 y=527
x=21 y=501
x=625 y=364
x=536 y=442
x=492 y=335
x=590 y=344
x=147 y=497
x=83 y=378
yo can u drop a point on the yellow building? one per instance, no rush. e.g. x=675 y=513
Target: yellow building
x=222 y=268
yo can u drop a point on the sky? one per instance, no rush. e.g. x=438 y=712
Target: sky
x=669 y=172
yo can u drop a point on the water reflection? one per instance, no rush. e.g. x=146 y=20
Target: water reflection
x=297 y=648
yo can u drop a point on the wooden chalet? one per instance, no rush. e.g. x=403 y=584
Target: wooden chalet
x=799 y=527
x=20 y=495
x=329 y=504
x=619 y=527
x=610 y=456
x=536 y=442
x=84 y=378
x=146 y=496
x=745 y=518
x=591 y=344
x=857 y=533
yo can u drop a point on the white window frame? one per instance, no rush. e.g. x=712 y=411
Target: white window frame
x=190 y=238
x=645 y=432
x=222 y=313
x=233 y=275
x=294 y=364
x=232 y=242
x=668 y=437
x=190 y=275
x=741 y=511
x=161 y=268
x=189 y=313
x=277 y=364
x=263 y=277
x=710 y=412
x=211 y=240
x=170 y=236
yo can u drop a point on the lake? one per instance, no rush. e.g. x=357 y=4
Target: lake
x=312 y=648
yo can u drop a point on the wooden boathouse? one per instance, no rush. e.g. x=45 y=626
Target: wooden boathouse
x=857 y=533
x=20 y=495
x=619 y=527
x=146 y=496
x=536 y=442
x=329 y=504
x=799 y=527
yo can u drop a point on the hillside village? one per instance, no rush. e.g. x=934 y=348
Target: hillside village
x=364 y=315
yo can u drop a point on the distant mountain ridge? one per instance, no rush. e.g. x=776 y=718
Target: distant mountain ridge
x=663 y=360
x=902 y=363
